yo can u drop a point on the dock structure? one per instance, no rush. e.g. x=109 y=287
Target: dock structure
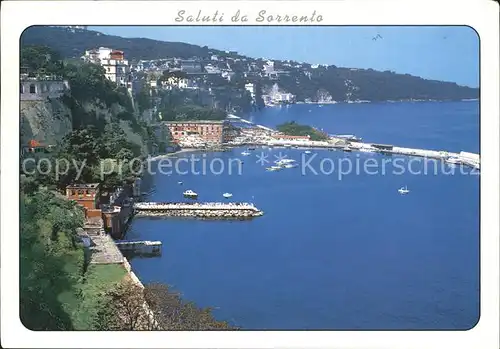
x=140 y=247
x=209 y=210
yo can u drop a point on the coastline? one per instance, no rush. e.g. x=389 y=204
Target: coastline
x=177 y=152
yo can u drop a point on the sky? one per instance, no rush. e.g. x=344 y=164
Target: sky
x=440 y=53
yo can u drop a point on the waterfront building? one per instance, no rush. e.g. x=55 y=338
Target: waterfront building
x=283 y=137
x=87 y=196
x=210 y=131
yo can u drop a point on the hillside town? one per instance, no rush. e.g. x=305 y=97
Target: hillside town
x=196 y=73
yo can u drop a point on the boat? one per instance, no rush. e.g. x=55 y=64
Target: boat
x=283 y=162
x=273 y=168
x=454 y=161
x=367 y=150
x=227 y=195
x=290 y=165
x=180 y=183
x=288 y=145
x=346 y=148
x=245 y=153
x=307 y=152
x=251 y=148
x=403 y=190
x=190 y=194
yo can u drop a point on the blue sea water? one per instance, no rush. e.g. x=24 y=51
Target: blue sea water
x=333 y=252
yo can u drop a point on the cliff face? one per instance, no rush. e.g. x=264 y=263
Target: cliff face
x=46 y=121
x=49 y=121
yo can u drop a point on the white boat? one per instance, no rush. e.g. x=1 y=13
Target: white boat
x=283 y=162
x=227 y=195
x=307 y=152
x=179 y=182
x=273 y=168
x=454 y=161
x=403 y=190
x=346 y=148
x=190 y=194
x=245 y=153
x=290 y=165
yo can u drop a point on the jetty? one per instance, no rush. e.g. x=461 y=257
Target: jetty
x=208 y=210
x=139 y=247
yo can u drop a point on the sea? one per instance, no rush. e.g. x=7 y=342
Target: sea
x=337 y=248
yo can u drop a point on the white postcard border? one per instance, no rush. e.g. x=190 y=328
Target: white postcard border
x=482 y=15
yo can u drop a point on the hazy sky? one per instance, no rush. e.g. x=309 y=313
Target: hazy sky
x=441 y=53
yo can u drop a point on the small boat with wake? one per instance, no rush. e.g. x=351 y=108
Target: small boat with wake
x=403 y=190
x=190 y=194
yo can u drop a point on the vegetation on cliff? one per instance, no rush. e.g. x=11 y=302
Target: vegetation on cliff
x=341 y=83
x=59 y=290
x=293 y=129
x=104 y=122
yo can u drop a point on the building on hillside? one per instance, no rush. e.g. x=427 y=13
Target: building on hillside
x=42 y=87
x=252 y=89
x=86 y=195
x=191 y=67
x=116 y=67
x=210 y=131
x=184 y=83
x=227 y=74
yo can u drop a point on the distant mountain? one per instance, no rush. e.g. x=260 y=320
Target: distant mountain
x=324 y=83
x=72 y=43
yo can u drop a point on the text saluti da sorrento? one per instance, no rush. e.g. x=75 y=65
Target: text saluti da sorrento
x=262 y=16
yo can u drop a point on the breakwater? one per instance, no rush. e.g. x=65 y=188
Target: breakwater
x=208 y=210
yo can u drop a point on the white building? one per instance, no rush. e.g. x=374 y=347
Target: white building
x=227 y=75
x=251 y=88
x=268 y=67
x=116 y=70
x=116 y=67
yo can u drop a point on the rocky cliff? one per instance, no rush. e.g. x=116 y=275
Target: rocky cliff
x=46 y=121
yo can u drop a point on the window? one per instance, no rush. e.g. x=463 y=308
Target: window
x=22 y=89
x=32 y=88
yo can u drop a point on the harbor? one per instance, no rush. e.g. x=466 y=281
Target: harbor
x=258 y=135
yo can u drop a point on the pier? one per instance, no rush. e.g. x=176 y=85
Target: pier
x=139 y=247
x=209 y=210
